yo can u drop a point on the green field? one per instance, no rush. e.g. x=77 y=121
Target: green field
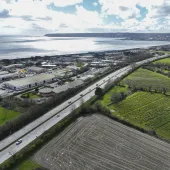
x=28 y=165
x=80 y=64
x=144 y=109
x=6 y=115
x=106 y=99
x=165 y=60
x=31 y=95
x=159 y=51
x=145 y=78
x=163 y=70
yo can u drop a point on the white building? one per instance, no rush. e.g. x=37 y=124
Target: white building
x=98 y=64
x=107 y=61
x=49 y=66
x=30 y=82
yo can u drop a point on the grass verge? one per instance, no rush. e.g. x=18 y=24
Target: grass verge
x=29 y=165
x=143 y=78
x=6 y=115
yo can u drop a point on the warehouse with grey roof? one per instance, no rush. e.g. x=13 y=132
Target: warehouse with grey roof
x=29 y=82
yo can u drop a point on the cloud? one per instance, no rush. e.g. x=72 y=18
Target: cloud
x=4 y=13
x=62 y=25
x=162 y=10
x=28 y=16
x=88 y=18
x=123 y=8
x=63 y=3
x=36 y=26
x=8 y=26
x=47 y=18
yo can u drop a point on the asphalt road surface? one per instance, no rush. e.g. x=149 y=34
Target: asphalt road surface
x=99 y=143
x=31 y=131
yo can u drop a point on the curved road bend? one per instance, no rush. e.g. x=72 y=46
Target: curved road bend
x=33 y=130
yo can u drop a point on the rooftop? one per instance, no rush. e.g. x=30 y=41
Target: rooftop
x=67 y=86
x=3 y=72
x=35 y=68
x=8 y=75
x=45 y=90
x=30 y=80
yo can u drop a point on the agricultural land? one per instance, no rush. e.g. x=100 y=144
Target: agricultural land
x=96 y=142
x=147 y=101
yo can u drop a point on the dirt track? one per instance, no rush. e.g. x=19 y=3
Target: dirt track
x=99 y=143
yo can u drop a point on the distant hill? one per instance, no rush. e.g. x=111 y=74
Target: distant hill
x=127 y=36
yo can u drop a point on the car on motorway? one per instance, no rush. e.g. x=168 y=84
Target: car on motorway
x=38 y=100
x=96 y=84
x=69 y=102
x=58 y=115
x=81 y=95
x=19 y=142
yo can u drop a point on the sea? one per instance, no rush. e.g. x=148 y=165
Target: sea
x=12 y=47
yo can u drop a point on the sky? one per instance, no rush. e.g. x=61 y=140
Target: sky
x=38 y=17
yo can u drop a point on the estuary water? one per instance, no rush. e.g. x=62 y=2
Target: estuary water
x=27 y=46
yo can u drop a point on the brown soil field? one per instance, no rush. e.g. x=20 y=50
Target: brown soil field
x=99 y=143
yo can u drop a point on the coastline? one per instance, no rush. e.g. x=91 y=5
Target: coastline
x=30 y=46
x=83 y=53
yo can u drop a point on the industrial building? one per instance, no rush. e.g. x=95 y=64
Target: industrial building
x=36 y=70
x=62 y=72
x=49 y=66
x=46 y=92
x=8 y=76
x=29 y=82
x=98 y=64
x=12 y=66
x=3 y=72
x=74 y=84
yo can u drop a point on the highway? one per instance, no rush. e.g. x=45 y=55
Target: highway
x=33 y=130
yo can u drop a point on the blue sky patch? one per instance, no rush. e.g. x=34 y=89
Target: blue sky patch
x=67 y=9
x=143 y=12
x=88 y=4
